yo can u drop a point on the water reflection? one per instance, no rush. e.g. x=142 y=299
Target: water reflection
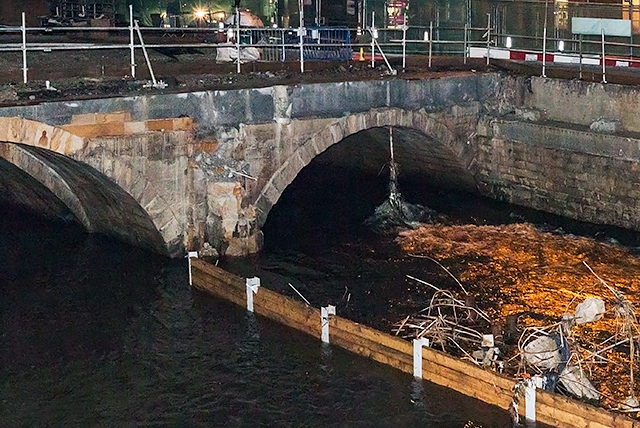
x=93 y=333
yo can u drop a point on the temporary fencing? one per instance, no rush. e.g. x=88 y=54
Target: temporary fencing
x=417 y=358
x=325 y=43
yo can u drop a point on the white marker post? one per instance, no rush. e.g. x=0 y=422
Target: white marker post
x=190 y=255
x=252 y=288
x=530 y=397
x=417 y=356
x=324 y=318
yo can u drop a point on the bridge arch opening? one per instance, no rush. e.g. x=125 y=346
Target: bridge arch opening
x=333 y=194
x=52 y=185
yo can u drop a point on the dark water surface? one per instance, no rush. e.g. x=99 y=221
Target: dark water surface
x=97 y=334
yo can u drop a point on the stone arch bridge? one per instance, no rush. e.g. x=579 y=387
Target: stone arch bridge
x=171 y=172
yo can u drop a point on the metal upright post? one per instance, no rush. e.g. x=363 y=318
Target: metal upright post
x=580 y=56
x=488 y=37
x=464 y=47
x=24 y=48
x=301 y=33
x=430 y=41
x=238 y=38
x=131 y=41
x=604 y=70
x=404 y=42
x=544 y=40
x=373 y=39
x=318 y=12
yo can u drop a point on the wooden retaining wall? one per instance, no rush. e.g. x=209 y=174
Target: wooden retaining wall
x=437 y=367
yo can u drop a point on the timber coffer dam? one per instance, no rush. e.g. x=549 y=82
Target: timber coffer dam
x=203 y=171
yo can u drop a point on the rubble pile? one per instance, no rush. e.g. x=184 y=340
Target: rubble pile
x=532 y=303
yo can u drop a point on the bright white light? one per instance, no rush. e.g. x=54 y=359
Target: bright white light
x=561 y=45
x=507 y=43
x=426 y=36
x=221 y=25
x=200 y=13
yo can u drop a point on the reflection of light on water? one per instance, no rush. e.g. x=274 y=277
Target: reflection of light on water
x=519 y=270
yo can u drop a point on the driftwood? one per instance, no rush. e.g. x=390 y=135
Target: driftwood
x=456 y=325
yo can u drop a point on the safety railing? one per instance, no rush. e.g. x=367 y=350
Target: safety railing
x=324 y=43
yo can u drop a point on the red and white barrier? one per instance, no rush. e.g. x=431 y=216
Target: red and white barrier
x=556 y=57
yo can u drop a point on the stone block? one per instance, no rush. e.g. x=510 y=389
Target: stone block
x=83 y=119
x=134 y=128
x=239 y=247
x=159 y=125
x=606 y=126
x=530 y=115
x=118 y=116
x=96 y=130
x=94 y=118
x=11 y=129
x=224 y=200
x=182 y=124
x=484 y=130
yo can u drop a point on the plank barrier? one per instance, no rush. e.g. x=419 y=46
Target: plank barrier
x=435 y=366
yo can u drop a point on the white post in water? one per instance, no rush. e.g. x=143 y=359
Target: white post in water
x=132 y=49
x=324 y=319
x=530 y=397
x=190 y=255
x=24 y=49
x=417 y=356
x=252 y=288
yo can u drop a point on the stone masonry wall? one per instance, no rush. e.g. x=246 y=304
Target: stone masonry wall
x=207 y=167
x=574 y=173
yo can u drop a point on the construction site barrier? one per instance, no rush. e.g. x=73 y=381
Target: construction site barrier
x=415 y=358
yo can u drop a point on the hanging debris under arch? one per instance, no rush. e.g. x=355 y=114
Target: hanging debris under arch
x=395 y=211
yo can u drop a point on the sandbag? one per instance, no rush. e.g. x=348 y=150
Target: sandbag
x=591 y=309
x=543 y=353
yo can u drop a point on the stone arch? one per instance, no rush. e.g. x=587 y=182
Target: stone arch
x=457 y=154
x=98 y=203
x=38 y=134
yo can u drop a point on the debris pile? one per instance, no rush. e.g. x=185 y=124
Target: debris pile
x=395 y=211
x=513 y=313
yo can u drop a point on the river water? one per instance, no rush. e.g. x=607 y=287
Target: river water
x=94 y=333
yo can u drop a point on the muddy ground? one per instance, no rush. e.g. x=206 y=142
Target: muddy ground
x=107 y=72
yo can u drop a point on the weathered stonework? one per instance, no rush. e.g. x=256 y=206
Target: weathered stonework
x=206 y=168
